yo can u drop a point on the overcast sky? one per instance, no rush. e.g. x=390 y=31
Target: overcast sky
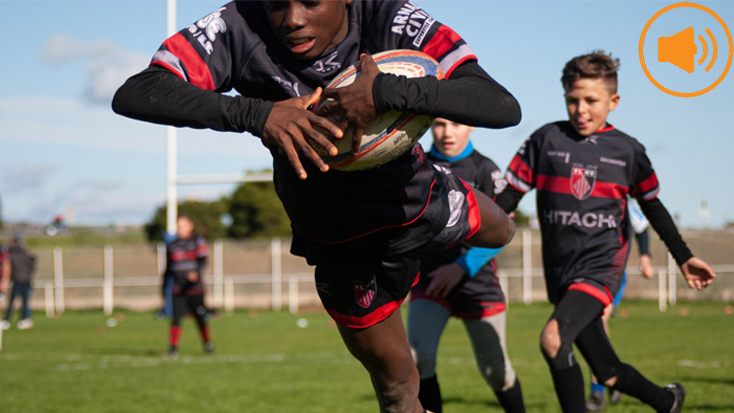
x=62 y=147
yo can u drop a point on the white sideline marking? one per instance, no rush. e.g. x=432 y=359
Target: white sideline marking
x=127 y=361
x=85 y=362
x=703 y=365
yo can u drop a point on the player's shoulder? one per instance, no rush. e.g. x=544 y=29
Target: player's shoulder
x=482 y=161
x=626 y=139
x=561 y=128
x=241 y=20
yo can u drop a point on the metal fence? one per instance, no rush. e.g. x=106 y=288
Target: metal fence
x=262 y=274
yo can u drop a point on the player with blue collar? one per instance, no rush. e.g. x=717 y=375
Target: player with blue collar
x=461 y=281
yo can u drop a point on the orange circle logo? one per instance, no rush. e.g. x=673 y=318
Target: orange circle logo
x=673 y=49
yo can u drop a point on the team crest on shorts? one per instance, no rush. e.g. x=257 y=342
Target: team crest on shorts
x=582 y=182
x=364 y=294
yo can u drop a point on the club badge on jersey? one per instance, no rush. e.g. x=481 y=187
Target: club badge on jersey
x=582 y=182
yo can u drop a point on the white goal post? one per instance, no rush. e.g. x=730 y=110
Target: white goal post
x=172 y=178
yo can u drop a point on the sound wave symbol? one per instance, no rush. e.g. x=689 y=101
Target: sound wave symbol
x=705 y=50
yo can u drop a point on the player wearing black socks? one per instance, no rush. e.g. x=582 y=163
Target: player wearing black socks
x=584 y=169
x=362 y=230
x=462 y=282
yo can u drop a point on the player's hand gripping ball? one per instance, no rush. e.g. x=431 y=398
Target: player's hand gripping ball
x=392 y=133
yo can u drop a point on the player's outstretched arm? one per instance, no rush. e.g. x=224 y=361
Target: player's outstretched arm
x=646 y=268
x=470 y=96
x=698 y=273
x=159 y=96
x=508 y=199
x=643 y=242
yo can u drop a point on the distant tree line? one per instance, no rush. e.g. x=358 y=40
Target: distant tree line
x=252 y=211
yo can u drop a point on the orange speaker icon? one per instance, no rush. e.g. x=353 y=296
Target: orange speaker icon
x=680 y=50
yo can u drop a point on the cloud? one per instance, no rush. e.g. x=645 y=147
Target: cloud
x=70 y=122
x=26 y=178
x=107 y=66
x=97 y=202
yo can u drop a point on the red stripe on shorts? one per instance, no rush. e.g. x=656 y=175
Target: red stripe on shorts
x=604 y=297
x=489 y=310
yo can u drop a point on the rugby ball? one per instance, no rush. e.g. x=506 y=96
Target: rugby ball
x=392 y=133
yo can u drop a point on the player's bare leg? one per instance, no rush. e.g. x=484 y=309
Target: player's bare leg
x=383 y=350
x=497 y=228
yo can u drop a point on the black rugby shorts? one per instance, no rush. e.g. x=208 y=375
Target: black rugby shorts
x=361 y=289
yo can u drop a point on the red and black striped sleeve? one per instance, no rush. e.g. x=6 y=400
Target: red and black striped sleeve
x=202 y=250
x=522 y=172
x=645 y=183
x=521 y=175
x=202 y=54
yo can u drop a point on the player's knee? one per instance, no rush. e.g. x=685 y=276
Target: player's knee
x=510 y=231
x=495 y=377
x=610 y=382
x=550 y=340
x=425 y=360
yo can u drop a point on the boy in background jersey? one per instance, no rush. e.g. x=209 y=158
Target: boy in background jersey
x=185 y=261
x=584 y=169
x=462 y=282
x=5 y=268
x=362 y=230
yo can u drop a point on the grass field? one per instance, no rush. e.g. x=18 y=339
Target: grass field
x=265 y=363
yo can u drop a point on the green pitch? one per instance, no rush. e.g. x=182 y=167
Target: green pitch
x=265 y=363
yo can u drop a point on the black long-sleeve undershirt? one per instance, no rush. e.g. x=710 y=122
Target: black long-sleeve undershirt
x=654 y=210
x=471 y=96
x=643 y=242
x=157 y=95
x=664 y=225
x=508 y=199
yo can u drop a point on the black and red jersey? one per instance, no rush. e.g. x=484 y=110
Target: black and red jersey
x=184 y=256
x=480 y=173
x=583 y=184
x=234 y=48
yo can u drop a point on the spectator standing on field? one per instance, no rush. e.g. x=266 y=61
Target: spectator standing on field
x=22 y=265
x=4 y=268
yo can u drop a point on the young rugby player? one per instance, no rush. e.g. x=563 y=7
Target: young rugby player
x=362 y=230
x=5 y=268
x=461 y=281
x=584 y=168
x=186 y=258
